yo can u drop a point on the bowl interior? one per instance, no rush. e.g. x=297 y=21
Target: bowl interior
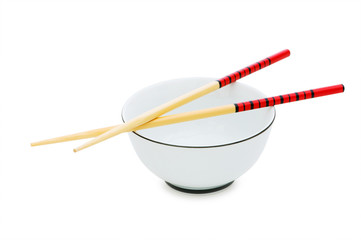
x=209 y=132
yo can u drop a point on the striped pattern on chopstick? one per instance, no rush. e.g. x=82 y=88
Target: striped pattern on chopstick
x=292 y=97
x=253 y=68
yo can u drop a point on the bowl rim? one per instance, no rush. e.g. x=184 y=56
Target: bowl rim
x=210 y=146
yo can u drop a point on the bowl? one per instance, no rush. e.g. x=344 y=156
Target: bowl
x=203 y=155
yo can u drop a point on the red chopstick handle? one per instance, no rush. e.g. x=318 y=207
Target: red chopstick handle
x=253 y=68
x=292 y=97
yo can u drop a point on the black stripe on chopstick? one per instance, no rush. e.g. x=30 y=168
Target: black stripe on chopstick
x=230 y=79
x=297 y=96
x=249 y=69
x=240 y=74
x=281 y=97
x=236 y=107
x=252 y=106
x=274 y=101
x=260 y=66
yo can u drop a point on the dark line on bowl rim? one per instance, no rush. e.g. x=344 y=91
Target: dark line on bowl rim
x=222 y=145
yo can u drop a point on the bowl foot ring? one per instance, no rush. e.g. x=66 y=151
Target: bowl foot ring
x=210 y=190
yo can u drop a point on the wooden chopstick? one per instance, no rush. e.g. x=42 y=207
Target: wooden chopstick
x=160 y=121
x=75 y=136
x=210 y=112
x=188 y=97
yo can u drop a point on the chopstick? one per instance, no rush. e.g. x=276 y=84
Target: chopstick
x=188 y=97
x=211 y=112
x=75 y=136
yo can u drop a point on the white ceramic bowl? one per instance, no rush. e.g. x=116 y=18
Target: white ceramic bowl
x=202 y=155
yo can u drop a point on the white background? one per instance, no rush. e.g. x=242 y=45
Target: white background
x=68 y=66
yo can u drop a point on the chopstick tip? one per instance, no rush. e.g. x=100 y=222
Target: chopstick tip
x=287 y=51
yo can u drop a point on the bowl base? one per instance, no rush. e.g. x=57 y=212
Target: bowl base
x=201 y=191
